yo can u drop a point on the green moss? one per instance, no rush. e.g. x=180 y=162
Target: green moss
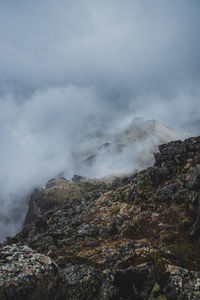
x=155 y=293
x=115 y=210
x=78 y=260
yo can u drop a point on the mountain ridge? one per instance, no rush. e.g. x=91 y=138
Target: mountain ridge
x=138 y=238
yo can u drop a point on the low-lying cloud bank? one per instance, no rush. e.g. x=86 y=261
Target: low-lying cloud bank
x=73 y=73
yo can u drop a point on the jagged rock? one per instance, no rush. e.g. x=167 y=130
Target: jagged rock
x=136 y=238
x=180 y=284
x=26 y=274
x=78 y=282
x=194 y=180
x=59 y=191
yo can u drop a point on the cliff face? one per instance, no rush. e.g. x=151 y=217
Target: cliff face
x=58 y=191
x=135 y=238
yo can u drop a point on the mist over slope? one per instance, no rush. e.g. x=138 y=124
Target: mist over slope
x=73 y=73
x=127 y=150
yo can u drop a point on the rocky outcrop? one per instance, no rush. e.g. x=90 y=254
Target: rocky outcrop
x=59 y=191
x=136 y=238
x=25 y=274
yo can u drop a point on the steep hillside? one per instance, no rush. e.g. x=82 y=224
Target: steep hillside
x=136 y=238
x=58 y=191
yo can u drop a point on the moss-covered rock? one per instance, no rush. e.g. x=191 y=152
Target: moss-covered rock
x=26 y=274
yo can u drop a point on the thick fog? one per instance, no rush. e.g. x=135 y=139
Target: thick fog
x=73 y=72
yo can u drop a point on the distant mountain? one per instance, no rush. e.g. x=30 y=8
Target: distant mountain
x=128 y=148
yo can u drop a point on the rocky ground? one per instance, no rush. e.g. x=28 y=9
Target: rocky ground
x=135 y=237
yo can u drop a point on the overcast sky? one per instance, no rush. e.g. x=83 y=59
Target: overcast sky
x=71 y=71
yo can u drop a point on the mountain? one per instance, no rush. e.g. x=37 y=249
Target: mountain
x=127 y=148
x=138 y=136
x=58 y=191
x=136 y=237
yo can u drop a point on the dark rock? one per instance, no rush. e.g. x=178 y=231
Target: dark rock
x=135 y=282
x=194 y=179
x=78 y=282
x=137 y=237
x=26 y=274
x=77 y=178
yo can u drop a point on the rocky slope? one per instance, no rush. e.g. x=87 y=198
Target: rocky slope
x=59 y=191
x=137 y=237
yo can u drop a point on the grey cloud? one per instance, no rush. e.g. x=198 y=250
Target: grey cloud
x=129 y=45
